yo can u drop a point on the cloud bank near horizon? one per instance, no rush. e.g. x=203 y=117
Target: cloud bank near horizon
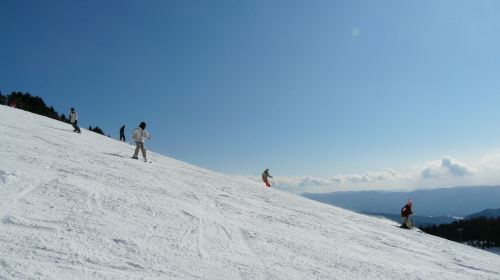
x=446 y=167
x=444 y=172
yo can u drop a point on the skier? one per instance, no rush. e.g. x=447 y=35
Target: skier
x=73 y=118
x=265 y=177
x=122 y=133
x=405 y=214
x=140 y=134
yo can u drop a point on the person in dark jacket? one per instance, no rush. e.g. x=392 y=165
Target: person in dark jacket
x=122 y=133
x=265 y=177
x=405 y=214
x=73 y=118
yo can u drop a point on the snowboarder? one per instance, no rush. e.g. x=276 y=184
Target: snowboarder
x=405 y=214
x=122 y=133
x=265 y=177
x=73 y=118
x=140 y=134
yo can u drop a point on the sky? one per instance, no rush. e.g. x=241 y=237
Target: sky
x=328 y=95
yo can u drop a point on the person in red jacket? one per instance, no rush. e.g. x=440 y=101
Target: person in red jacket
x=405 y=214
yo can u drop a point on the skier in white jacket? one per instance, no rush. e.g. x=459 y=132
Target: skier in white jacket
x=140 y=134
x=73 y=118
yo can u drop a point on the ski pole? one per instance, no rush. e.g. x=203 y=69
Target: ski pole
x=414 y=220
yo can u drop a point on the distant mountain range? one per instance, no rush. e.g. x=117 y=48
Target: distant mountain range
x=488 y=213
x=448 y=202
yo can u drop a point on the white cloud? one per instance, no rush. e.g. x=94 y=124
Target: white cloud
x=372 y=176
x=445 y=172
x=491 y=160
x=446 y=167
x=368 y=177
x=301 y=181
x=296 y=184
x=383 y=179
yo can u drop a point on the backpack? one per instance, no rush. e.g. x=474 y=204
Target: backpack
x=406 y=211
x=137 y=134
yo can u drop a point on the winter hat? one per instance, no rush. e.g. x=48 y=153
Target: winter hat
x=142 y=125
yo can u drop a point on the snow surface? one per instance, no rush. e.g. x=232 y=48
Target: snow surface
x=494 y=250
x=75 y=206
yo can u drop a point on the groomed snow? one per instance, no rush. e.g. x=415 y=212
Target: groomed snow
x=75 y=206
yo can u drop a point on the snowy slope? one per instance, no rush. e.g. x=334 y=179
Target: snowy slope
x=75 y=206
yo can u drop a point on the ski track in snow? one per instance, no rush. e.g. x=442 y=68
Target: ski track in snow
x=75 y=206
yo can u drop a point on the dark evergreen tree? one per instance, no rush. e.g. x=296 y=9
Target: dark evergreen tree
x=479 y=232
x=32 y=104
x=64 y=119
x=35 y=104
x=96 y=129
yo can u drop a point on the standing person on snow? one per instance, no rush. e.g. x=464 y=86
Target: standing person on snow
x=140 y=135
x=405 y=214
x=265 y=177
x=73 y=119
x=122 y=133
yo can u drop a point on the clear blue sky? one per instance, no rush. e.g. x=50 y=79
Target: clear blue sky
x=302 y=87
